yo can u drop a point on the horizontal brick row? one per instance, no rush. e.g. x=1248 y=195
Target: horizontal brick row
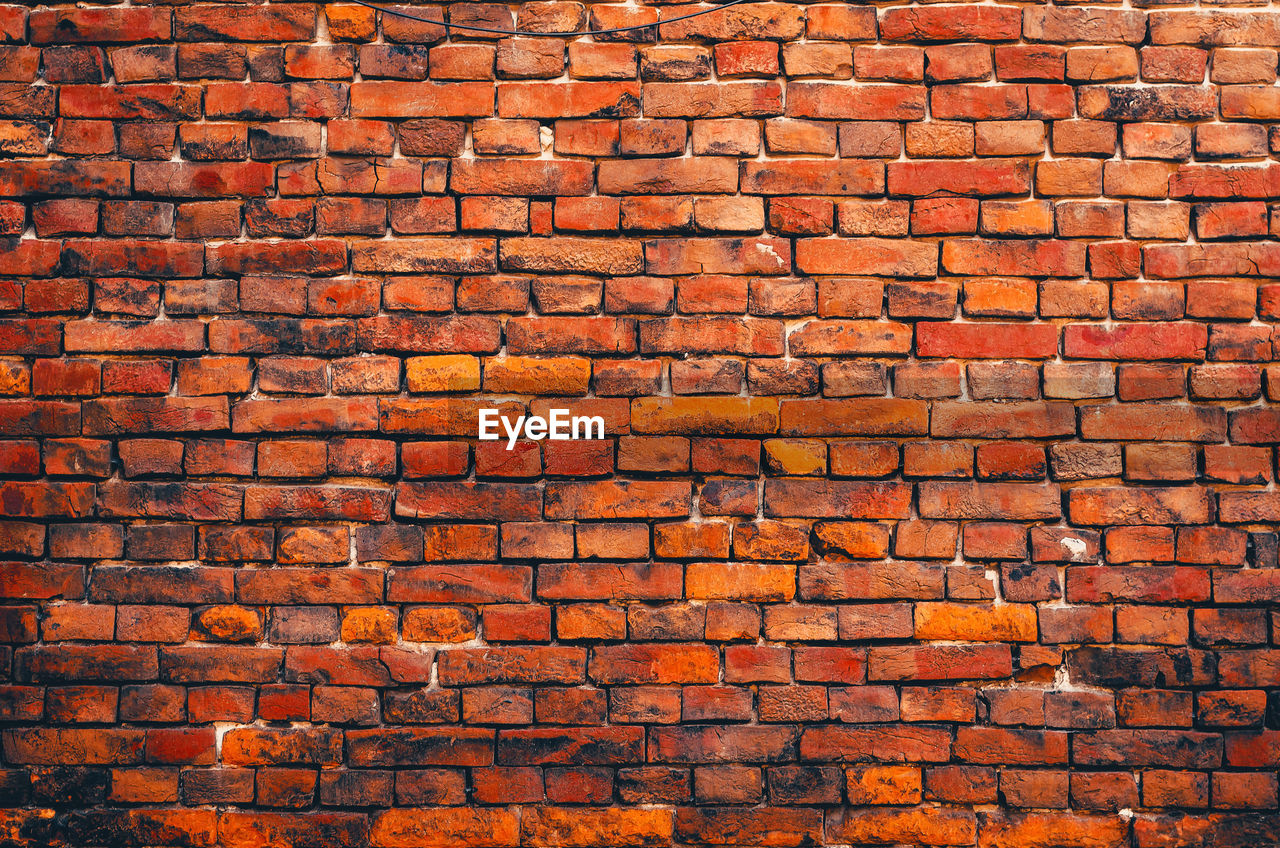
x=1228 y=28
x=760 y=540
x=633 y=827
x=765 y=256
x=657 y=499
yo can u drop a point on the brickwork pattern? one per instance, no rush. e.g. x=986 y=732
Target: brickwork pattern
x=937 y=503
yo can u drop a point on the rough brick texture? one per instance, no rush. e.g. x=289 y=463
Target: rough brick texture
x=934 y=342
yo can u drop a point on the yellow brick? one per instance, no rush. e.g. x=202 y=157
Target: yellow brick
x=528 y=375
x=976 y=623
x=796 y=456
x=453 y=373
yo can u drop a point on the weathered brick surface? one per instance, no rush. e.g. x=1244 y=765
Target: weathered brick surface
x=934 y=345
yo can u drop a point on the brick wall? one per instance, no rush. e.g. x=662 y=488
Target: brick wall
x=933 y=344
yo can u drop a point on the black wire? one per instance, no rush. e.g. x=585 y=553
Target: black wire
x=472 y=28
